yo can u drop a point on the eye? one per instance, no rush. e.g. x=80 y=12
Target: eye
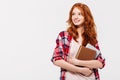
x=79 y=13
x=73 y=13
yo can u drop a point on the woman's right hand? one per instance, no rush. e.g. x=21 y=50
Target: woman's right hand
x=86 y=71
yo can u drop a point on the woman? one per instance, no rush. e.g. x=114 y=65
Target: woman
x=81 y=31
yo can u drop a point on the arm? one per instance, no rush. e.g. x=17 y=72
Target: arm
x=98 y=63
x=70 y=67
x=59 y=58
x=90 y=63
x=65 y=65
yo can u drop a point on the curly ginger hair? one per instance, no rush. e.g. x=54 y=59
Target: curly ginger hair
x=89 y=35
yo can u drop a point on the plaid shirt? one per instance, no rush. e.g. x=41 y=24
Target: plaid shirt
x=61 y=51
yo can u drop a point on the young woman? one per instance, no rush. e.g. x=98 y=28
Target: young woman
x=81 y=31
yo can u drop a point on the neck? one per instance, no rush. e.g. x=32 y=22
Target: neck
x=80 y=30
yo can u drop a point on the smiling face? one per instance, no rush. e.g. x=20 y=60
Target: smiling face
x=80 y=17
x=77 y=17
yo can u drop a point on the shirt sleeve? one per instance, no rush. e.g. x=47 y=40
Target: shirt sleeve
x=100 y=56
x=58 y=50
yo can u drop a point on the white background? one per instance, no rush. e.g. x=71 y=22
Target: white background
x=28 y=29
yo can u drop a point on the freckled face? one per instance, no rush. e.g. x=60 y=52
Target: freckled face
x=77 y=17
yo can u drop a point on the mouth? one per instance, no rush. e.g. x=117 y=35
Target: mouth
x=76 y=20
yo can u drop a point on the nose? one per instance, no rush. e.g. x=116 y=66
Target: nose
x=76 y=16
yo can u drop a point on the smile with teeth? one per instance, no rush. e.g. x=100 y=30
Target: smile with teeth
x=76 y=20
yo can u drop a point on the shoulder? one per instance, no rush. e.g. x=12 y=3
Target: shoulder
x=65 y=34
x=97 y=45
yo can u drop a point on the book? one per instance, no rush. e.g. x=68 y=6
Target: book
x=87 y=53
x=92 y=47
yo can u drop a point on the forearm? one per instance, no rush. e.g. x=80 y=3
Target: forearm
x=90 y=64
x=65 y=65
x=72 y=68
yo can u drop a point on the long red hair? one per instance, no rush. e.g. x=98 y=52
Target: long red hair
x=89 y=35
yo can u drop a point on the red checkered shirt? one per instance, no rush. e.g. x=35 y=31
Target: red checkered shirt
x=61 y=51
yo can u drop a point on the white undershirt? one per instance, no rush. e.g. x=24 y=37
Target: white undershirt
x=74 y=46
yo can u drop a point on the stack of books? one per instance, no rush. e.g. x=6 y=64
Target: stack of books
x=87 y=53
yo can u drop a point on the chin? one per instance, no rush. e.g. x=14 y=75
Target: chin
x=77 y=24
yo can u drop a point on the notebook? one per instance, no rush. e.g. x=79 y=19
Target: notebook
x=87 y=53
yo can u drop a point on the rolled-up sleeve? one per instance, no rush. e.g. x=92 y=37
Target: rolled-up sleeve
x=58 y=50
x=100 y=56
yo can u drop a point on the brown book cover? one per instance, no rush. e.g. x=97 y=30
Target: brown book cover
x=85 y=53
